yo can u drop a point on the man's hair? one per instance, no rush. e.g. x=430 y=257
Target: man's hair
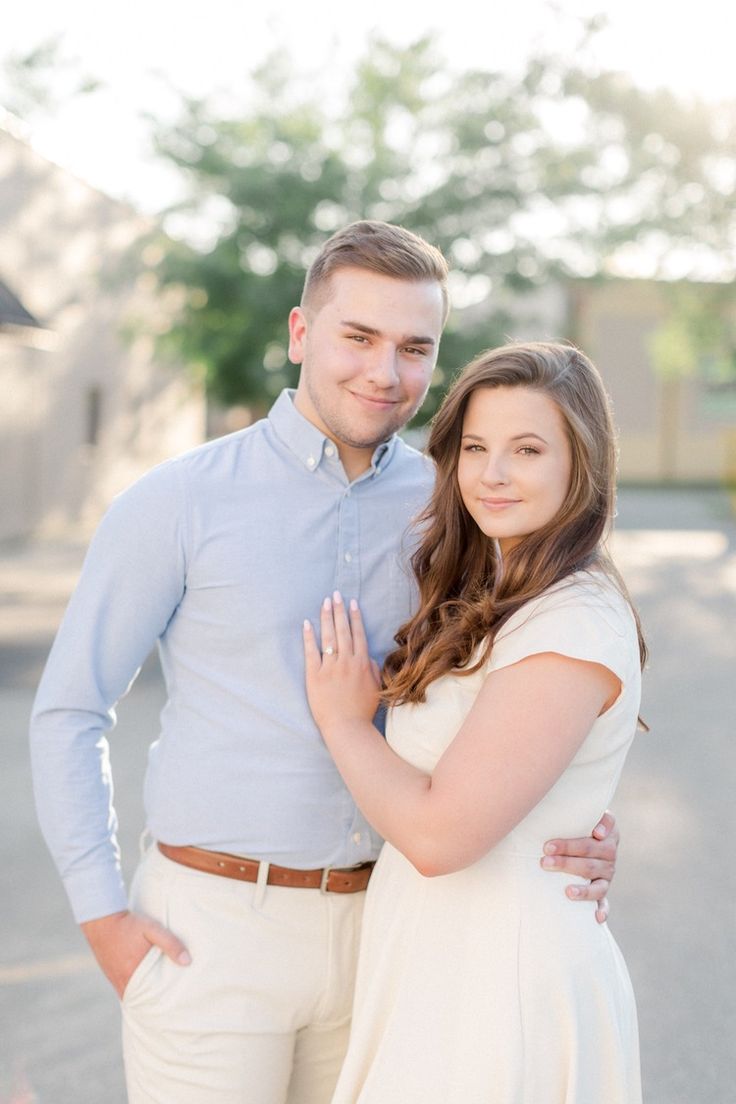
x=377 y=247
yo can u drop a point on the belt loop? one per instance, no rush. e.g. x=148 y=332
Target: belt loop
x=325 y=879
x=261 y=883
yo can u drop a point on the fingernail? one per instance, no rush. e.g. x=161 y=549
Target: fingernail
x=353 y=605
x=549 y=864
x=327 y=604
x=337 y=597
x=550 y=848
x=307 y=626
x=574 y=891
x=600 y=831
x=184 y=959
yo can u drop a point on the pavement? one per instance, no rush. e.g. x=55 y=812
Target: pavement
x=673 y=901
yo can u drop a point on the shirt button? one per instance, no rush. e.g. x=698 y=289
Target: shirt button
x=329 y=450
x=311 y=462
x=357 y=837
x=348 y=557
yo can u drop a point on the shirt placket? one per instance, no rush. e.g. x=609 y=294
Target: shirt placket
x=347 y=571
x=360 y=842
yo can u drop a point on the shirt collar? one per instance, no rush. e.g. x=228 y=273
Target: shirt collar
x=309 y=444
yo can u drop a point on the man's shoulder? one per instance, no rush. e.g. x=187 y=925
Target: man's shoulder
x=225 y=449
x=412 y=464
x=210 y=462
x=215 y=458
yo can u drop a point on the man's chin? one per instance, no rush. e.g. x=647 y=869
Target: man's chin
x=378 y=436
x=368 y=445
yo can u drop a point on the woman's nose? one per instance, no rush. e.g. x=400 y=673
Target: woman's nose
x=494 y=472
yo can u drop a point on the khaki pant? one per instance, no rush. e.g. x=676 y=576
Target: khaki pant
x=261 y=1015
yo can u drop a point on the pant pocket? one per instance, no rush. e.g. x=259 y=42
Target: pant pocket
x=141 y=972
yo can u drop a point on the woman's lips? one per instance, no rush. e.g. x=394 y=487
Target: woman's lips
x=499 y=503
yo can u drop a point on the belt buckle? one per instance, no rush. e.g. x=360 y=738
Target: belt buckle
x=323 y=880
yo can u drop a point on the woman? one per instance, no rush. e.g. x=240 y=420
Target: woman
x=514 y=695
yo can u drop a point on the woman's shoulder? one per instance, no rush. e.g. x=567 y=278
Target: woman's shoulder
x=584 y=616
x=587 y=592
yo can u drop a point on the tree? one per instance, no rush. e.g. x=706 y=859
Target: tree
x=696 y=337
x=38 y=81
x=516 y=177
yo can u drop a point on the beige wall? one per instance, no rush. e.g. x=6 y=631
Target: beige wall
x=70 y=254
x=669 y=429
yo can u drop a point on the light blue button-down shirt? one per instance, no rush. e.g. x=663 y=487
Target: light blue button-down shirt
x=219 y=555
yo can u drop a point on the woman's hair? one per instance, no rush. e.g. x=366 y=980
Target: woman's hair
x=465 y=592
x=376 y=247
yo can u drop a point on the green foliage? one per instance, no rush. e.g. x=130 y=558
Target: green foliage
x=672 y=348
x=39 y=80
x=517 y=179
x=698 y=334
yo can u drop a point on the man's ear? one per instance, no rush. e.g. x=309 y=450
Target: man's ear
x=297 y=335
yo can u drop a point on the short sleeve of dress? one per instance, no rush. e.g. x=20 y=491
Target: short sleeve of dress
x=583 y=617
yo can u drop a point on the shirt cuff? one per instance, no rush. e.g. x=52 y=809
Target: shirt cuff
x=96 y=892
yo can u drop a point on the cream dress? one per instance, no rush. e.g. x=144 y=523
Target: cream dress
x=489 y=986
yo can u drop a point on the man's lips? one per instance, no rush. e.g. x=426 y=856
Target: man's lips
x=375 y=402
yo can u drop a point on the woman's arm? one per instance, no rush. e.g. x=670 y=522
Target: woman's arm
x=524 y=728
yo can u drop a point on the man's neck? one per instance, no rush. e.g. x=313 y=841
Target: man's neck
x=355 y=461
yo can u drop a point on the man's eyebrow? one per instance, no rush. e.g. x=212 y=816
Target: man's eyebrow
x=372 y=332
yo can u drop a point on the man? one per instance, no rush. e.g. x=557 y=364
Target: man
x=235 y=959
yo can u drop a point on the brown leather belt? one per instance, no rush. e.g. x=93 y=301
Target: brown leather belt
x=329 y=879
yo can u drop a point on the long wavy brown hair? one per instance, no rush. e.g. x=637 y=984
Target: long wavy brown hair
x=466 y=590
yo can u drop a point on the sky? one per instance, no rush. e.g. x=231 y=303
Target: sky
x=146 y=49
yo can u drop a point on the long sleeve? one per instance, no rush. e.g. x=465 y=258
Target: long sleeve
x=132 y=580
x=219 y=555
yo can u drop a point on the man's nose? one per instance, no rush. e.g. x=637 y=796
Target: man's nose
x=383 y=369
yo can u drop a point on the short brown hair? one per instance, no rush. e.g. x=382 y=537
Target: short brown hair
x=378 y=247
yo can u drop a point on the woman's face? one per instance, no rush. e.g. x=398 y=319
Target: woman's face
x=515 y=462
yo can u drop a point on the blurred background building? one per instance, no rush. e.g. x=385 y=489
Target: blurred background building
x=85 y=405
x=676 y=425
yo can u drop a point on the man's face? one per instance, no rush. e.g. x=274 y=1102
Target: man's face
x=367 y=353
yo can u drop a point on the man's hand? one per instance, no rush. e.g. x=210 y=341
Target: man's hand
x=120 y=941
x=591 y=857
